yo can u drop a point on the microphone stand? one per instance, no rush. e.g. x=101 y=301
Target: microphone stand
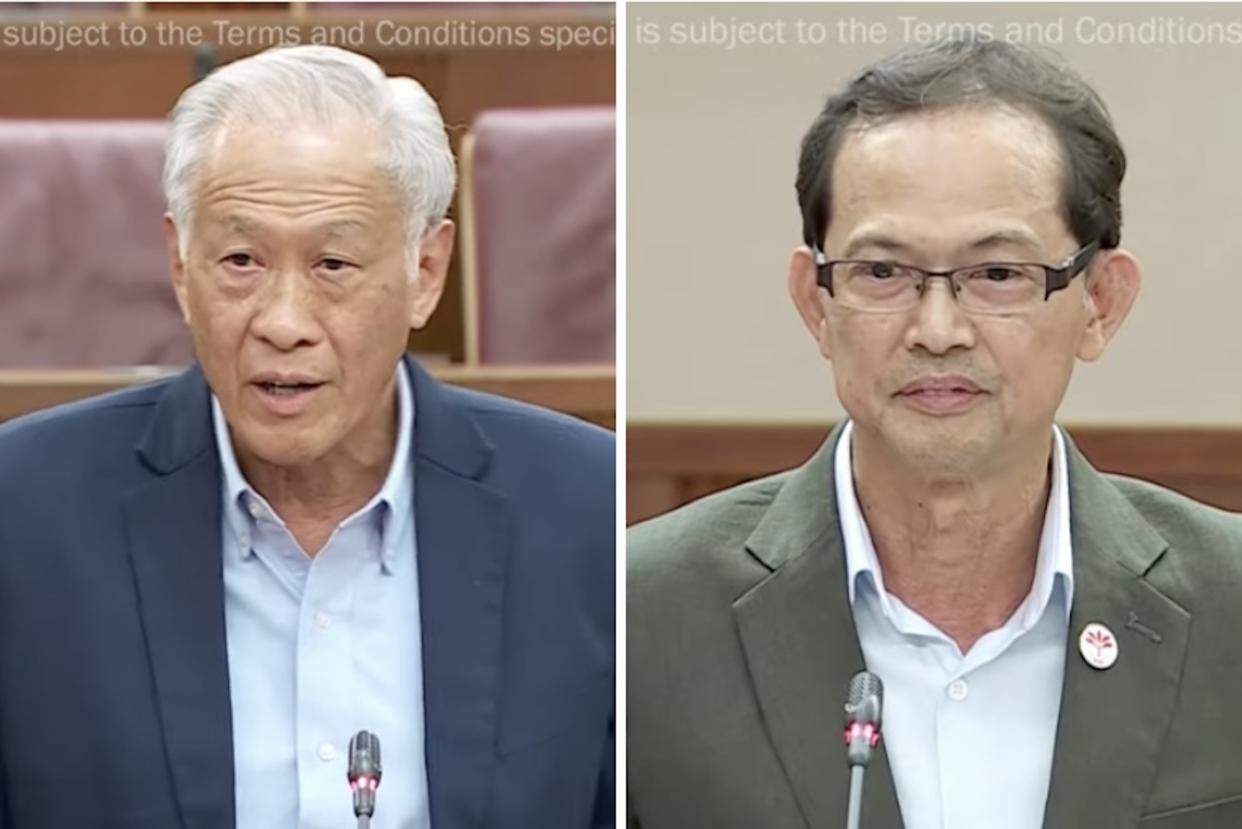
x=364 y=774
x=863 y=704
x=854 y=815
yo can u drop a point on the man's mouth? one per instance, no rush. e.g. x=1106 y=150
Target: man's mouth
x=287 y=389
x=942 y=394
x=941 y=385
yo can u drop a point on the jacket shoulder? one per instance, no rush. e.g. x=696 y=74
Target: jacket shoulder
x=1177 y=516
x=704 y=537
x=62 y=431
x=1204 y=555
x=505 y=419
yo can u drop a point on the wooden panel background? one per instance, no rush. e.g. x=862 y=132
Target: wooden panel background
x=587 y=392
x=144 y=82
x=670 y=465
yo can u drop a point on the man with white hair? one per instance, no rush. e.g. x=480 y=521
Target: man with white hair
x=209 y=584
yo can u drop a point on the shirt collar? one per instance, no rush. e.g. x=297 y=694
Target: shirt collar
x=396 y=495
x=1055 y=557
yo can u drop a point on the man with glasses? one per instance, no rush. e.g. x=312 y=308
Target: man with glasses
x=1057 y=646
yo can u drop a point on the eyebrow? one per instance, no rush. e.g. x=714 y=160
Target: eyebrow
x=234 y=223
x=873 y=239
x=884 y=241
x=1012 y=236
x=342 y=227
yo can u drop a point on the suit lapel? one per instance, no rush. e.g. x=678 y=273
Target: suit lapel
x=1113 y=722
x=174 y=529
x=801 y=646
x=798 y=634
x=463 y=544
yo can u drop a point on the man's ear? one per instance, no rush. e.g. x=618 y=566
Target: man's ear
x=808 y=296
x=434 y=253
x=1112 y=285
x=176 y=266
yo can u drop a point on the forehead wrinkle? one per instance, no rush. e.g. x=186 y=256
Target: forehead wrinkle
x=246 y=213
x=281 y=194
x=227 y=192
x=241 y=223
x=249 y=183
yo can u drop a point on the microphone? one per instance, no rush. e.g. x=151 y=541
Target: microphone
x=364 y=775
x=204 y=62
x=863 y=703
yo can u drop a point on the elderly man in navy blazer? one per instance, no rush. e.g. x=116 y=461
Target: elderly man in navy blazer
x=209 y=584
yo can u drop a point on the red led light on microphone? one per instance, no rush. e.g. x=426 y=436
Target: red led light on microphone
x=867 y=730
x=364 y=783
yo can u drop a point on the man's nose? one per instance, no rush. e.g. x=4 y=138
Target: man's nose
x=939 y=324
x=286 y=318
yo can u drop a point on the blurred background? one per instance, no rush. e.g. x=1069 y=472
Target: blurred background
x=527 y=93
x=725 y=384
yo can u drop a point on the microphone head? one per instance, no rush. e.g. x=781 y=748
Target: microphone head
x=204 y=61
x=364 y=754
x=865 y=698
x=864 y=701
x=365 y=771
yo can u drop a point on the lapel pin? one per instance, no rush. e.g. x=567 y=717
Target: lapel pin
x=1098 y=646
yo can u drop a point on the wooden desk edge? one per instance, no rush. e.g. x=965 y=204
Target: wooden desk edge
x=586 y=391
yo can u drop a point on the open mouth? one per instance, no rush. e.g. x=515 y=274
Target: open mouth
x=287 y=389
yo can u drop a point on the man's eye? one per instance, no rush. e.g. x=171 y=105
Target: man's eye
x=881 y=270
x=999 y=274
x=335 y=265
x=239 y=260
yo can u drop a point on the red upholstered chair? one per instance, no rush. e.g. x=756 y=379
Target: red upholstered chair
x=84 y=274
x=538 y=201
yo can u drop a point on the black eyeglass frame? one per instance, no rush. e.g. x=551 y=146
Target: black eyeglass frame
x=1057 y=278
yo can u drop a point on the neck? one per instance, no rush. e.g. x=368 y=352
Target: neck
x=959 y=548
x=314 y=497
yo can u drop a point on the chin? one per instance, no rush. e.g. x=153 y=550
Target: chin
x=287 y=458
x=944 y=446
x=281 y=446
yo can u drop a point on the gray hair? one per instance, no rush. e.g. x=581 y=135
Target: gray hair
x=977 y=71
x=314 y=85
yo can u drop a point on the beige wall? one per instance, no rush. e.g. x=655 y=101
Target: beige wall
x=712 y=149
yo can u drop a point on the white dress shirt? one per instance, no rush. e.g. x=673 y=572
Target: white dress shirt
x=969 y=736
x=322 y=648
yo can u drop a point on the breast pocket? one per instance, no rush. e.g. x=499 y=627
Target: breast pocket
x=1219 y=814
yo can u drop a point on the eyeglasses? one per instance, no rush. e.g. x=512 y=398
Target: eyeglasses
x=988 y=288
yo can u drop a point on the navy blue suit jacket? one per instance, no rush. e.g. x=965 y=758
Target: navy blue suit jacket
x=114 y=684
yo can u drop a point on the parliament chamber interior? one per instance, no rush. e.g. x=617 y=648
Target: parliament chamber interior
x=526 y=93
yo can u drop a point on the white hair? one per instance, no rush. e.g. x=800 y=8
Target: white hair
x=314 y=86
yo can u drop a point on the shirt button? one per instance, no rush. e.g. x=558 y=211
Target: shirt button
x=327 y=752
x=322 y=620
x=958 y=690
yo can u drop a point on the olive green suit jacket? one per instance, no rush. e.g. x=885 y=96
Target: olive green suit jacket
x=741 y=644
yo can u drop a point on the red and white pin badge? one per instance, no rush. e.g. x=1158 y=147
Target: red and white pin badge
x=1098 y=646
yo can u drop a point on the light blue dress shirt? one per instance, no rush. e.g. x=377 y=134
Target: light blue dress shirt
x=322 y=648
x=969 y=736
